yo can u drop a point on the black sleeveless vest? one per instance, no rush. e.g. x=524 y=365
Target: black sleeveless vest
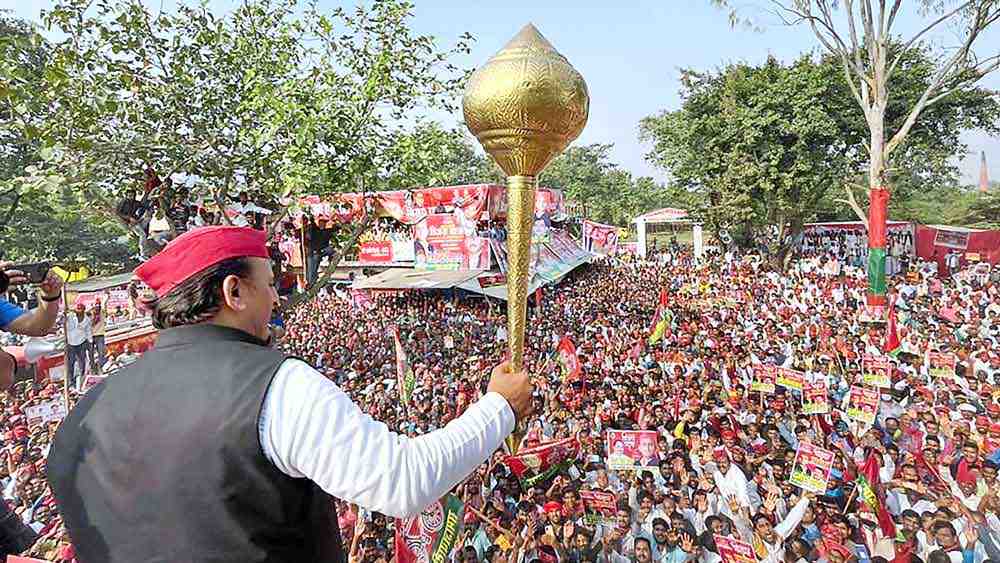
x=163 y=463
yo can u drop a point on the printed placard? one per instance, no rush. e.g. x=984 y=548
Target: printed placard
x=790 y=378
x=48 y=411
x=812 y=468
x=876 y=371
x=733 y=550
x=632 y=449
x=862 y=404
x=763 y=379
x=816 y=397
x=940 y=364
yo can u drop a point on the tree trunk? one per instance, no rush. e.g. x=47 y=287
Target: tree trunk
x=313 y=290
x=878 y=192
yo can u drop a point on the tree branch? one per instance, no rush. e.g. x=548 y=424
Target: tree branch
x=906 y=47
x=853 y=203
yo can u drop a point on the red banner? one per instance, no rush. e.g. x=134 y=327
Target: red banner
x=600 y=507
x=430 y=536
x=568 y=361
x=599 y=238
x=411 y=206
x=547 y=202
x=375 y=252
x=448 y=241
x=733 y=550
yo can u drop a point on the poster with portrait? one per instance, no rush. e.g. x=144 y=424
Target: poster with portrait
x=448 y=241
x=876 y=371
x=632 y=449
x=940 y=364
x=812 y=468
x=815 y=397
x=862 y=404
x=764 y=376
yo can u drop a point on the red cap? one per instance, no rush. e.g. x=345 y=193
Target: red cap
x=720 y=454
x=728 y=434
x=196 y=250
x=552 y=506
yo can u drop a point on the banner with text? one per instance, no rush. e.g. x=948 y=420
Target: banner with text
x=448 y=241
x=815 y=397
x=763 y=378
x=632 y=449
x=862 y=404
x=876 y=371
x=733 y=550
x=430 y=536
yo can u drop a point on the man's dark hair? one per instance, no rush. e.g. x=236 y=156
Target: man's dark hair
x=649 y=544
x=198 y=298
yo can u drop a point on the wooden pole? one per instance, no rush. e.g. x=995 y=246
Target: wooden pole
x=66 y=374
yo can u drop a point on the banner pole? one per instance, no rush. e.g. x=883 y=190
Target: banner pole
x=66 y=374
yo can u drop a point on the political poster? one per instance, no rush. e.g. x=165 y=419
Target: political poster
x=49 y=411
x=632 y=449
x=763 y=378
x=940 y=364
x=599 y=238
x=862 y=404
x=876 y=371
x=430 y=536
x=790 y=378
x=812 y=468
x=816 y=397
x=733 y=550
x=599 y=507
x=448 y=241
x=375 y=252
x=536 y=464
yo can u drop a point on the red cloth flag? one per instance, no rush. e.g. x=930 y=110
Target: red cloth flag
x=891 y=343
x=659 y=326
x=568 y=360
x=870 y=492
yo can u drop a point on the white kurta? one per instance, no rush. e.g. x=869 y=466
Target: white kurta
x=310 y=428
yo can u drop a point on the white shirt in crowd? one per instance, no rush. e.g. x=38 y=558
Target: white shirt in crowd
x=77 y=331
x=310 y=428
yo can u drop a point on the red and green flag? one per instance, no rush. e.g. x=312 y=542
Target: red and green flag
x=536 y=464
x=405 y=379
x=660 y=318
x=430 y=536
x=871 y=493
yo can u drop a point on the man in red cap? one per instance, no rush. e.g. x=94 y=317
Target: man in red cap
x=216 y=447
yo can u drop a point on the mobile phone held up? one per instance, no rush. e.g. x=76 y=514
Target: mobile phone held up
x=35 y=272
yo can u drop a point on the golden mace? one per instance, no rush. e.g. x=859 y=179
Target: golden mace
x=525 y=105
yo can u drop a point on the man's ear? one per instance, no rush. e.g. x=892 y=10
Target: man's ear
x=231 y=293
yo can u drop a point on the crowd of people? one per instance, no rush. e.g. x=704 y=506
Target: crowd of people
x=723 y=454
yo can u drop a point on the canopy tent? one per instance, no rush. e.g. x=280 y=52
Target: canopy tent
x=934 y=242
x=416 y=279
x=665 y=216
x=99 y=283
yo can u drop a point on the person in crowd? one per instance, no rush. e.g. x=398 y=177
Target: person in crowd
x=79 y=341
x=98 y=331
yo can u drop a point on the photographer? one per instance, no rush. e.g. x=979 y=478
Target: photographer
x=15 y=536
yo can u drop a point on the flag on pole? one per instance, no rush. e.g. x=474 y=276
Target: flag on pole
x=871 y=493
x=659 y=327
x=891 y=344
x=404 y=373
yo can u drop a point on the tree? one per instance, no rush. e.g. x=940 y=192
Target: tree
x=262 y=99
x=430 y=155
x=718 y=116
x=984 y=210
x=606 y=193
x=757 y=146
x=869 y=53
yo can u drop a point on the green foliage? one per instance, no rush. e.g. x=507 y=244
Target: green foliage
x=281 y=102
x=606 y=193
x=757 y=146
x=776 y=144
x=430 y=155
x=984 y=209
